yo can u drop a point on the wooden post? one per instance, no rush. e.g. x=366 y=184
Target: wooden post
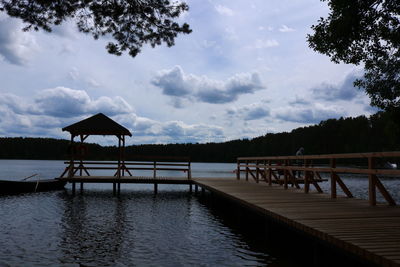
x=285 y=178
x=306 y=179
x=371 y=183
x=73 y=188
x=269 y=173
x=119 y=158
x=122 y=158
x=80 y=154
x=257 y=172
x=190 y=188
x=154 y=170
x=71 y=164
x=119 y=188
x=189 y=170
x=81 y=187
x=155 y=188
x=247 y=170
x=333 y=178
x=114 y=189
x=238 y=170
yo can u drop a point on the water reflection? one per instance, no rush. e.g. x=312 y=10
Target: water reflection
x=93 y=229
x=138 y=228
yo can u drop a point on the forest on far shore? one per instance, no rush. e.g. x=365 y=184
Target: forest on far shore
x=345 y=135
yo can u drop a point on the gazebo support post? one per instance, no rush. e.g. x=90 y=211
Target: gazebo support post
x=71 y=164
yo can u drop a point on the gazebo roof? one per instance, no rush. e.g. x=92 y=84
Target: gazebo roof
x=98 y=124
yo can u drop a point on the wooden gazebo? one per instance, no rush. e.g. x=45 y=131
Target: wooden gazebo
x=77 y=170
x=98 y=124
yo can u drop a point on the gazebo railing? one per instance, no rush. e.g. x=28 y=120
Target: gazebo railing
x=271 y=169
x=128 y=168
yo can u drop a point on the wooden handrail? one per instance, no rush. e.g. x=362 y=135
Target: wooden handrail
x=391 y=154
x=150 y=165
x=127 y=163
x=266 y=168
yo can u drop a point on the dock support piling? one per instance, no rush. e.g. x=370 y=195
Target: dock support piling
x=119 y=189
x=81 y=189
x=196 y=188
x=73 y=188
x=155 y=188
x=114 y=189
x=190 y=188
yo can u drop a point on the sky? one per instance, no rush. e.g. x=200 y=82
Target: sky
x=244 y=71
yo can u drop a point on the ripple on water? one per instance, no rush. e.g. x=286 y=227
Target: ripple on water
x=138 y=228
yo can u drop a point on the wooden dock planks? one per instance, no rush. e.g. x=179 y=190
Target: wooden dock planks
x=370 y=232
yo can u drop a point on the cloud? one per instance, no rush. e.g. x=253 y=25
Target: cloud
x=67 y=29
x=299 y=101
x=309 y=114
x=285 y=28
x=179 y=132
x=16 y=46
x=262 y=44
x=223 y=10
x=343 y=91
x=65 y=102
x=253 y=111
x=177 y=84
x=55 y=108
x=174 y=82
x=13 y=102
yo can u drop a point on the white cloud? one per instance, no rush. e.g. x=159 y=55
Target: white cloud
x=285 y=28
x=55 y=108
x=309 y=114
x=250 y=112
x=16 y=47
x=262 y=44
x=223 y=10
x=177 y=84
x=65 y=102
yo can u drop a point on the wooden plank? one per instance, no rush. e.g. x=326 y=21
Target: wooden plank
x=370 y=232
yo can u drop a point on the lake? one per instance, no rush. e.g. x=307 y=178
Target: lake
x=172 y=228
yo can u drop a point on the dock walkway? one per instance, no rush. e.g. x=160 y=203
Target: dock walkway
x=370 y=232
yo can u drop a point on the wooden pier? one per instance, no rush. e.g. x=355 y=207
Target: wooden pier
x=366 y=229
x=122 y=172
x=370 y=232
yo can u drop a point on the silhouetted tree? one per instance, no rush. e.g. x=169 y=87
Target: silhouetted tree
x=130 y=22
x=365 y=32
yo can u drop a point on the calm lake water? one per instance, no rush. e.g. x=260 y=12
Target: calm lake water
x=173 y=228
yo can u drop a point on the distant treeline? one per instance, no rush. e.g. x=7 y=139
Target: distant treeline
x=344 y=135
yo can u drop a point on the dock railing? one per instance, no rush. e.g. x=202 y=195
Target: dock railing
x=271 y=169
x=128 y=168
